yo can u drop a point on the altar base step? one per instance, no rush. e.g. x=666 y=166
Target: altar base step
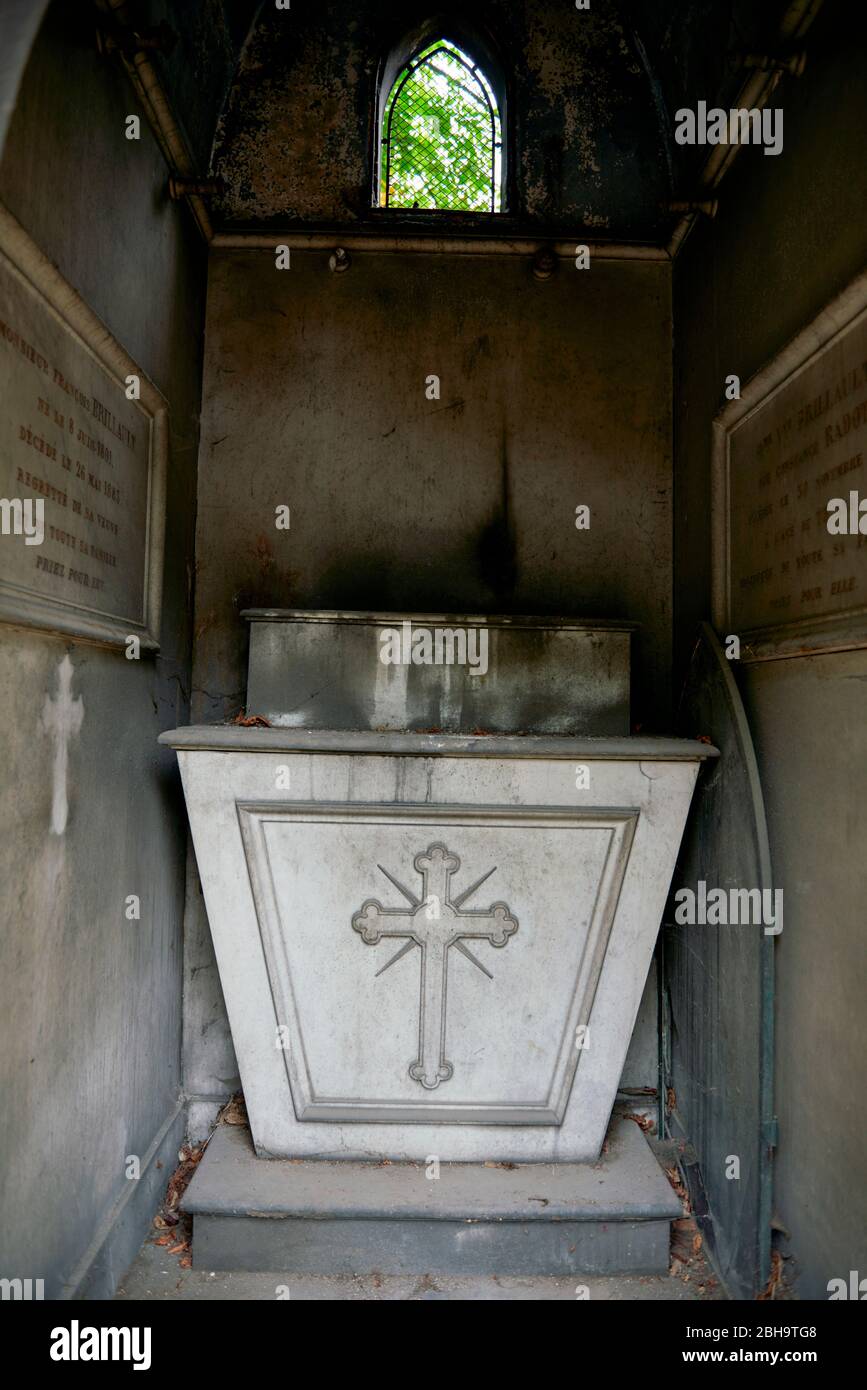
x=313 y=1216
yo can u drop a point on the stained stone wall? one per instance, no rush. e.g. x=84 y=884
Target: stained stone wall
x=590 y=100
x=552 y=394
x=90 y=1002
x=790 y=235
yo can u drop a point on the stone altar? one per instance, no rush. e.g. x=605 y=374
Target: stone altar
x=433 y=943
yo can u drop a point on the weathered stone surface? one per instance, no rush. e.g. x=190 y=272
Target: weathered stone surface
x=504 y=1033
x=90 y=999
x=84 y=463
x=790 y=561
x=350 y=1217
x=462 y=505
x=425 y=670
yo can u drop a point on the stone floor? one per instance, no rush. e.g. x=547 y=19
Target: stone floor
x=162 y=1270
x=156 y=1274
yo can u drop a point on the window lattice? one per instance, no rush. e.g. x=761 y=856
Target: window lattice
x=441 y=138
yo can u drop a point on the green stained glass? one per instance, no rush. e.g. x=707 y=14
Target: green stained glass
x=441 y=140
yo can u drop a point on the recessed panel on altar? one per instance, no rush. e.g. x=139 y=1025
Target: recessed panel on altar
x=442 y=964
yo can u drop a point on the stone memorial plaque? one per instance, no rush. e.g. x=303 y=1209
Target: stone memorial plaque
x=81 y=465
x=795 y=441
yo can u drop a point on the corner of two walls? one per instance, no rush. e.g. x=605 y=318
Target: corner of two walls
x=91 y=1002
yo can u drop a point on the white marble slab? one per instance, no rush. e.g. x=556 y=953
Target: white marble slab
x=318 y=867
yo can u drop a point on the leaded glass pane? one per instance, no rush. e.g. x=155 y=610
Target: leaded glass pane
x=441 y=139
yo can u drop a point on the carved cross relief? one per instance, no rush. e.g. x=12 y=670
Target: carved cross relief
x=434 y=923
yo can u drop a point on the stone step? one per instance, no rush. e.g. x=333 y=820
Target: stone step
x=316 y=1216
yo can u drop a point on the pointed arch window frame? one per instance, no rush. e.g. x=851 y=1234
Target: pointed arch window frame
x=396 y=66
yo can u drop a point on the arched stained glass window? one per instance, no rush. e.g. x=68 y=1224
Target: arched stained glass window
x=441 y=144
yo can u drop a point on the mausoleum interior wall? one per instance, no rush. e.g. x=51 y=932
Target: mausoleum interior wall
x=549 y=394
x=789 y=236
x=90 y=1001
x=552 y=394
x=582 y=132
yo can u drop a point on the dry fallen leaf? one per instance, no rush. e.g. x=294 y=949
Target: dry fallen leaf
x=776 y=1278
x=234 y=1112
x=644 y=1122
x=674 y=1178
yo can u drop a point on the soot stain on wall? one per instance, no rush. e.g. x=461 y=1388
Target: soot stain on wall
x=496 y=546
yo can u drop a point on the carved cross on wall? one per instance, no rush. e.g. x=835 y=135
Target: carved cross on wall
x=61 y=720
x=434 y=924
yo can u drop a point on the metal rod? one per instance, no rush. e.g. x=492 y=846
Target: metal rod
x=160 y=116
x=432 y=244
x=755 y=93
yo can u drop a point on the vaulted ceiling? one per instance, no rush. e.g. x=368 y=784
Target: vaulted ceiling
x=280 y=104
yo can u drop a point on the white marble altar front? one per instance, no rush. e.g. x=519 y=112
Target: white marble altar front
x=433 y=944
